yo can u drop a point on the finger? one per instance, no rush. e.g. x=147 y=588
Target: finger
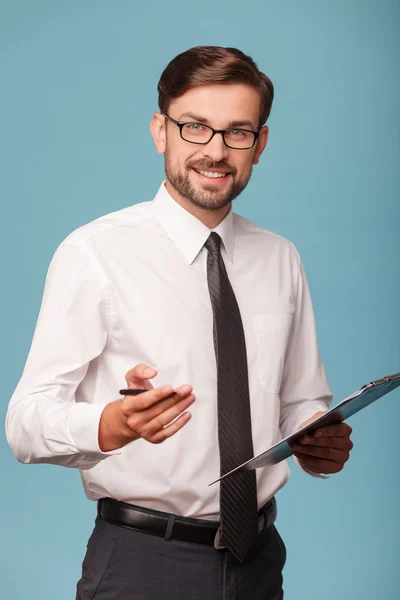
x=171 y=429
x=176 y=403
x=138 y=376
x=166 y=416
x=340 y=443
x=134 y=405
x=144 y=423
x=339 y=430
x=318 y=465
x=340 y=456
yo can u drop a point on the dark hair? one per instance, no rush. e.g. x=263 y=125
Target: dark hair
x=203 y=65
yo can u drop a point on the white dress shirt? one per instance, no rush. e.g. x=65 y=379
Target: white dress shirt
x=131 y=287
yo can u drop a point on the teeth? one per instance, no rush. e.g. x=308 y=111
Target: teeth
x=213 y=175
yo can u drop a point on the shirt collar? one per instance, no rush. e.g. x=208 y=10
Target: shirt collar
x=187 y=232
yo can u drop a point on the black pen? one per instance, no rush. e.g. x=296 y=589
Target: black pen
x=131 y=392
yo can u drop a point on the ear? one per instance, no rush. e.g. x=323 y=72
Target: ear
x=157 y=128
x=261 y=143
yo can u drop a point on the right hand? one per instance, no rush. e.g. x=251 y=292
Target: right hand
x=147 y=415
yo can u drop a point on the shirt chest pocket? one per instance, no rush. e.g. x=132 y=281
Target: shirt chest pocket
x=272 y=334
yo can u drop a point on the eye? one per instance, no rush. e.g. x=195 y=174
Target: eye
x=195 y=127
x=237 y=132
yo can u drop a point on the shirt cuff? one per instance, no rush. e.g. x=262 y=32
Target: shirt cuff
x=303 y=414
x=83 y=425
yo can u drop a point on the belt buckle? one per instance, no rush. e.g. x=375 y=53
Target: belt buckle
x=218 y=545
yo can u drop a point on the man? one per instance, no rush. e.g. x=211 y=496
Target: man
x=201 y=309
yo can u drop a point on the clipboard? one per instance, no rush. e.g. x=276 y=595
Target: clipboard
x=367 y=394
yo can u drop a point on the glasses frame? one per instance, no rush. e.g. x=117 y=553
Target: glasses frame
x=181 y=125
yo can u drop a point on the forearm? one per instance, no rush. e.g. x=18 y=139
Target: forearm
x=40 y=429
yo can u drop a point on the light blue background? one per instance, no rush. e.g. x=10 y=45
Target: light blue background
x=78 y=89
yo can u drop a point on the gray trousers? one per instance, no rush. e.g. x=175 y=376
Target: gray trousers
x=122 y=564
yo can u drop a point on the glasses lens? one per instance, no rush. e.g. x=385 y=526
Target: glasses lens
x=194 y=132
x=238 y=138
x=201 y=134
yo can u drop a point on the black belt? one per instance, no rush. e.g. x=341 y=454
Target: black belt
x=170 y=526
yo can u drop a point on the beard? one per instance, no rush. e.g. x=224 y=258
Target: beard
x=207 y=198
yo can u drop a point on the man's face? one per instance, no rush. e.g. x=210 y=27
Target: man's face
x=221 y=106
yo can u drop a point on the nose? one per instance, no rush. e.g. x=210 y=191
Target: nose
x=216 y=149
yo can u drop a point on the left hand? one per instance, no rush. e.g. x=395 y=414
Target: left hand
x=326 y=449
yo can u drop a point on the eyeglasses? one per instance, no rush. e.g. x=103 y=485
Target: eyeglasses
x=197 y=133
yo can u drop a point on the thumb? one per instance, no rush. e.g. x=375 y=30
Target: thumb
x=137 y=378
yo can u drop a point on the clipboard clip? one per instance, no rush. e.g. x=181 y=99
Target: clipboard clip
x=380 y=381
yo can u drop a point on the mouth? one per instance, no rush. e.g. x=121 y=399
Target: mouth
x=212 y=176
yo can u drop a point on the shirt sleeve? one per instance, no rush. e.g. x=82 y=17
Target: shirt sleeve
x=304 y=389
x=44 y=423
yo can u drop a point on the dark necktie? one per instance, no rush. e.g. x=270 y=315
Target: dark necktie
x=238 y=493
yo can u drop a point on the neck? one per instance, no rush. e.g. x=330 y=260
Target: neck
x=210 y=218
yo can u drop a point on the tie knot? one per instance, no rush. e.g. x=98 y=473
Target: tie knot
x=213 y=243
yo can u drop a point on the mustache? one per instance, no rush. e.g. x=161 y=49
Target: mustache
x=204 y=165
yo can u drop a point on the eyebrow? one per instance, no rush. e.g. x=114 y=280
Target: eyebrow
x=207 y=122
